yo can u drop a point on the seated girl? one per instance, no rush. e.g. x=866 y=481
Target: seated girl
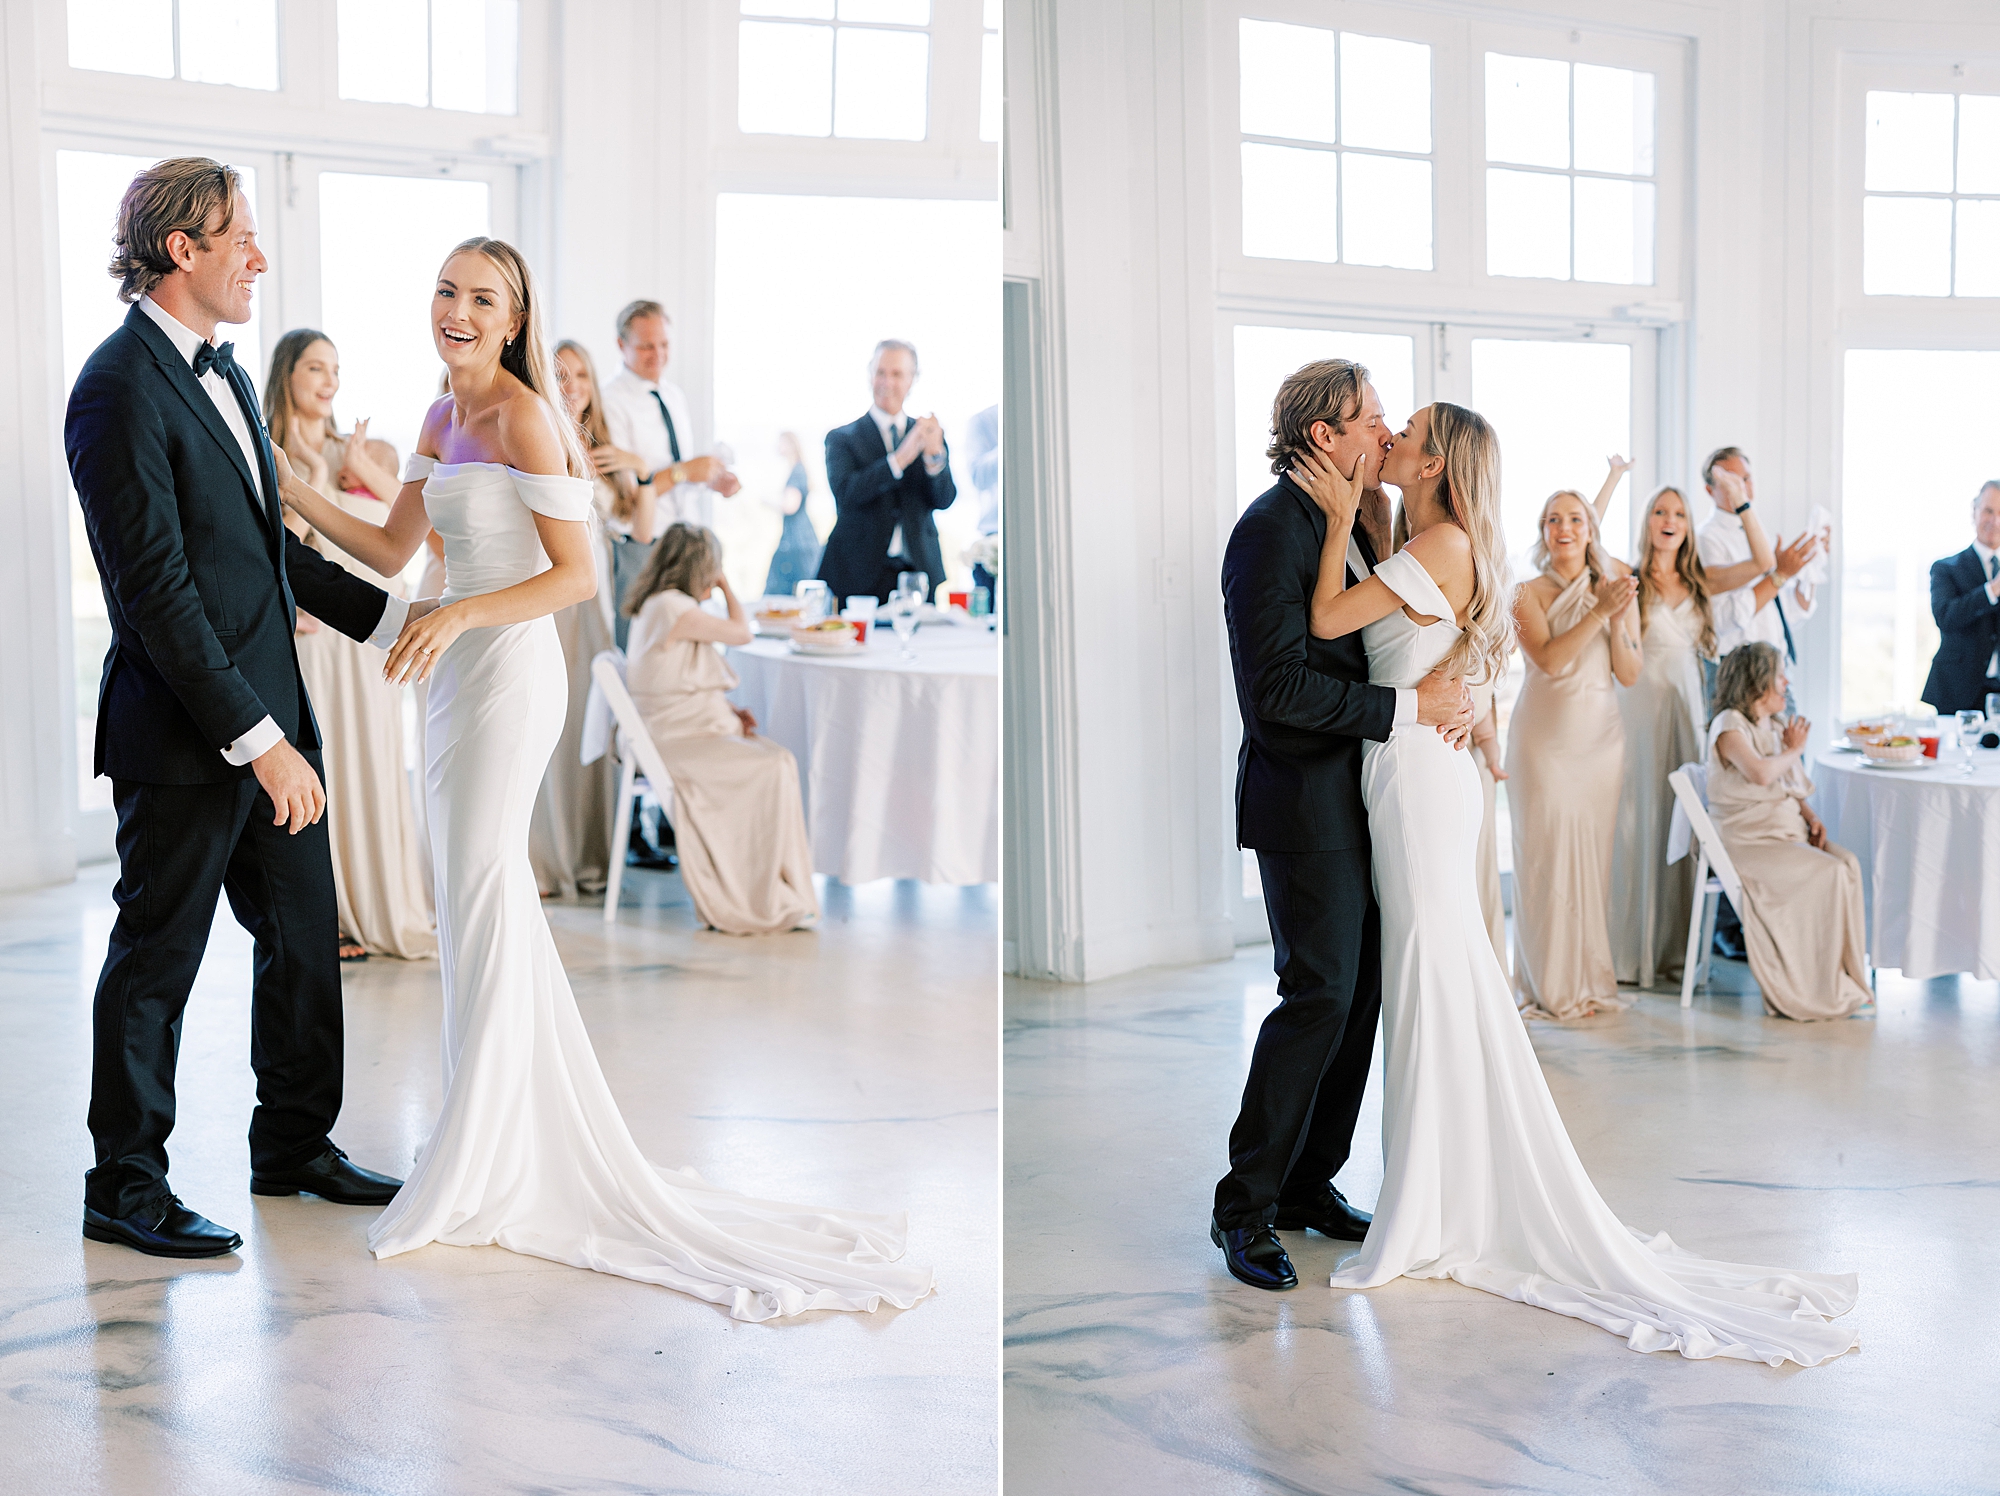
x=1804 y=926
x=738 y=817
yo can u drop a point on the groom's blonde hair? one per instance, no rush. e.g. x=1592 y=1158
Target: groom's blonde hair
x=1329 y=390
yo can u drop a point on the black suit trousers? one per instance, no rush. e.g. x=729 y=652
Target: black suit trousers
x=179 y=847
x=1310 y=1065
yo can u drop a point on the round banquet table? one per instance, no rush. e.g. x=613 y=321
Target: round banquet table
x=899 y=760
x=1929 y=845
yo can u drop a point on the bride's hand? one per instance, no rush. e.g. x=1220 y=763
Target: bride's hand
x=1337 y=496
x=423 y=641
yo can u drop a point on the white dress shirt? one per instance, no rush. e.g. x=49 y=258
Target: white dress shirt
x=886 y=423
x=1738 y=619
x=634 y=423
x=187 y=342
x=1992 y=596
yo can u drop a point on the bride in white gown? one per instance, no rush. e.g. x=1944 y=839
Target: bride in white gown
x=530 y=1152
x=1481 y=1182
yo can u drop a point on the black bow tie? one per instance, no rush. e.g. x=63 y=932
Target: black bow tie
x=208 y=356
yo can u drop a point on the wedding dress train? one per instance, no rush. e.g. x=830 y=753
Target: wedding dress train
x=1481 y=1182
x=530 y=1152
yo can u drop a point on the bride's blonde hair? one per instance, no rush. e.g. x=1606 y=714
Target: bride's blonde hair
x=1469 y=490
x=526 y=355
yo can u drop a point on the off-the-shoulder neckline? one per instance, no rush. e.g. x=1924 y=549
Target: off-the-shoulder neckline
x=504 y=467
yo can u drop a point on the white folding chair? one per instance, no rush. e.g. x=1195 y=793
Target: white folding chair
x=1714 y=874
x=644 y=768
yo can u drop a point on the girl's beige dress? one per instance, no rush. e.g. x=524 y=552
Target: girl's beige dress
x=569 y=834
x=1565 y=758
x=1491 y=905
x=1804 y=925
x=739 y=820
x=381 y=877
x=1662 y=712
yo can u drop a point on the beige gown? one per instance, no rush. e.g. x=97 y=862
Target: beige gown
x=569 y=831
x=1663 y=713
x=1565 y=757
x=1491 y=904
x=1804 y=925
x=380 y=871
x=739 y=819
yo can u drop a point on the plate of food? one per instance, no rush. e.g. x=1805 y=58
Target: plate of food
x=1861 y=734
x=777 y=619
x=832 y=636
x=1900 y=752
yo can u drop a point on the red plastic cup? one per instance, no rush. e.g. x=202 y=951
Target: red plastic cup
x=860 y=630
x=958 y=599
x=1930 y=746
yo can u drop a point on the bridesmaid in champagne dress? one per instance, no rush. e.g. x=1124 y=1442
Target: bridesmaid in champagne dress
x=1578 y=627
x=1664 y=712
x=381 y=882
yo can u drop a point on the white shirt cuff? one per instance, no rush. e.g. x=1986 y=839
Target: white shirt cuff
x=933 y=465
x=1406 y=707
x=255 y=743
x=394 y=612
x=895 y=468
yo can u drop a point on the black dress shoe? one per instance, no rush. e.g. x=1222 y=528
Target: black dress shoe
x=165 y=1228
x=331 y=1177
x=1254 y=1255
x=1329 y=1214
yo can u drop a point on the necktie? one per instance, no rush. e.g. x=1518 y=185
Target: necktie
x=1791 y=654
x=1992 y=565
x=673 y=437
x=222 y=360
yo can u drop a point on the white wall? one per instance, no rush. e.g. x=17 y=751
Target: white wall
x=1114 y=214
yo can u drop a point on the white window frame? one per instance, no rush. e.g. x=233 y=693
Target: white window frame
x=951 y=160
x=1459 y=284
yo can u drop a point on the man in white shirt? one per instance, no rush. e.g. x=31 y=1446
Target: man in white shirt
x=1764 y=610
x=1965 y=601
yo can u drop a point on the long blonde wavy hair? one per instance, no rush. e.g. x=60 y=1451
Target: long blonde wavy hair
x=1469 y=489
x=527 y=355
x=1687 y=565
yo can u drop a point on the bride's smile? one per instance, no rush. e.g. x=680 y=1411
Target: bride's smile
x=472 y=320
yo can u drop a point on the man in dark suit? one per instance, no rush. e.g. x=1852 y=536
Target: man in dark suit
x=1965 y=601
x=1306 y=705
x=202 y=722
x=889 y=475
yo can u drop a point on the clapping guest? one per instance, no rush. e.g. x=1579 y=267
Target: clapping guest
x=569 y=832
x=652 y=438
x=381 y=889
x=1663 y=712
x=1965 y=601
x=740 y=820
x=1804 y=926
x=1578 y=626
x=797 y=557
x=1766 y=607
x=889 y=474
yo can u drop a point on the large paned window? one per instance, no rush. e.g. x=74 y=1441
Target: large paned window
x=990 y=73
x=1930 y=222
x=201 y=41
x=856 y=69
x=438 y=54
x=1336 y=146
x=1569 y=189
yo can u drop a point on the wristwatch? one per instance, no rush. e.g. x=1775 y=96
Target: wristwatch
x=1741 y=507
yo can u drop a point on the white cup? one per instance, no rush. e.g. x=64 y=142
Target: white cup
x=861 y=606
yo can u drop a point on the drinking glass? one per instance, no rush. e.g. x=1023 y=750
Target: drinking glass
x=903 y=605
x=815 y=601
x=914 y=581
x=1970 y=721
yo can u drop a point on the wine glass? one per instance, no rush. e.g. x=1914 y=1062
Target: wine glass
x=815 y=600
x=917 y=582
x=903 y=605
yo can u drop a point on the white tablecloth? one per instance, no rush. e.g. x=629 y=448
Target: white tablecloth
x=899 y=760
x=1929 y=845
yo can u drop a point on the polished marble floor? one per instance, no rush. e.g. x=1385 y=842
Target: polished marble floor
x=1134 y=1363
x=854 y=1065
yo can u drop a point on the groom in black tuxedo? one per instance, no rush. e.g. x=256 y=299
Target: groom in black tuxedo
x=1306 y=705
x=202 y=721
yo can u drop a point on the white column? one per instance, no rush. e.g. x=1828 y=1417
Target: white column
x=38 y=790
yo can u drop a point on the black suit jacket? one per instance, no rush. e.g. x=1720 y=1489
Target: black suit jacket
x=869 y=503
x=1306 y=703
x=1969 y=629
x=199 y=572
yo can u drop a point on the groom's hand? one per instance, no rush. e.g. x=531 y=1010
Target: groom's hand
x=290 y=782
x=1444 y=703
